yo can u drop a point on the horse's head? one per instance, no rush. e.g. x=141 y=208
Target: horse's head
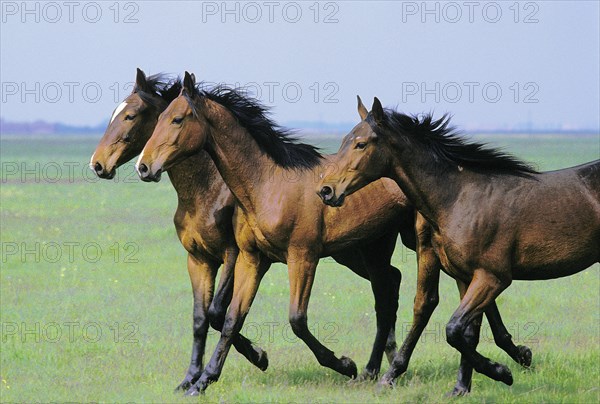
x=131 y=125
x=359 y=161
x=180 y=132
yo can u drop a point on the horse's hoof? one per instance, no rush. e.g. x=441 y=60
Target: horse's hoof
x=458 y=391
x=525 y=356
x=183 y=386
x=348 y=367
x=187 y=382
x=263 y=361
x=386 y=381
x=367 y=376
x=503 y=374
x=195 y=390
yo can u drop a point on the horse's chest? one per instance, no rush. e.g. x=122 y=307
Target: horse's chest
x=200 y=237
x=451 y=257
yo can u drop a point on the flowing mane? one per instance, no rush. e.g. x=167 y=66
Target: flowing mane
x=446 y=145
x=159 y=90
x=278 y=143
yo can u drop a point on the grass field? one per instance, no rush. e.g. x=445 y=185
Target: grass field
x=96 y=303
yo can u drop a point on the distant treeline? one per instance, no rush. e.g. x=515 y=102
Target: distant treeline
x=307 y=127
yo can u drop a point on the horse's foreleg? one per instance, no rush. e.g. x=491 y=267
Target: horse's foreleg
x=218 y=309
x=465 y=370
x=301 y=269
x=202 y=276
x=249 y=270
x=483 y=290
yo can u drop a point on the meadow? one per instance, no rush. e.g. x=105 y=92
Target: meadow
x=96 y=303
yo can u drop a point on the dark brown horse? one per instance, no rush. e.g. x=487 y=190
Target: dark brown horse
x=281 y=219
x=492 y=218
x=203 y=219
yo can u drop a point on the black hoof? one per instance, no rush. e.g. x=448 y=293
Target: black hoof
x=183 y=386
x=503 y=374
x=196 y=389
x=386 y=381
x=364 y=377
x=525 y=356
x=187 y=382
x=458 y=391
x=348 y=367
x=263 y=361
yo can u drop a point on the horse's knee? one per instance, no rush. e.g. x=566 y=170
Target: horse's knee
x=216 y=316
x=299 y=323
x=200 y=323
x=454 y=333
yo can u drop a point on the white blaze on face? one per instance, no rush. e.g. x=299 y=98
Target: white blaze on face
x=137 y=163
x=119 y=109
x=92 y=162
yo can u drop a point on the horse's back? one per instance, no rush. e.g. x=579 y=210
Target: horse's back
x=590 y=176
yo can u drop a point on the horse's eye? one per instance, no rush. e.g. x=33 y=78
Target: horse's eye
x=177 y=121
x=129 y=117
x=127 y=138
x=360 y=145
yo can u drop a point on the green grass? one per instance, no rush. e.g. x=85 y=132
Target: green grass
x=110 y=318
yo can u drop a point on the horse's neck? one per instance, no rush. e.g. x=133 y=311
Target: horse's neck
x=239 y=160
x=432 y=189
x=194 y=178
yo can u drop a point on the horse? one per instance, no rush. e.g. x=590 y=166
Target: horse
x=203 y=219
x=493 y=218
x=270 y=173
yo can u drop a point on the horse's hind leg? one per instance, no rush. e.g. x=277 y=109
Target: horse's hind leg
x=202 y=276
x=301 y=268
x=218 y=309
x=483 y=290
x=391 y=346
x=385 y=283
x=520 y=354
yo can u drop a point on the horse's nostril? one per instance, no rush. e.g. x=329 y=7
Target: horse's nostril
x=143 y=168
x=98 y=167
x=326 y=191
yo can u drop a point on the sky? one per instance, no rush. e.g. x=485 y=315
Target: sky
x=531 y=65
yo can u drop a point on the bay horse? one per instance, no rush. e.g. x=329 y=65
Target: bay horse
x=280 y=218
x=203 y=219
x=493 y=218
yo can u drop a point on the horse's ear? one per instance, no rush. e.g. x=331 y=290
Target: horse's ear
x=377 y=111
x=362 y=111
x=140 y=80
x=189 y=81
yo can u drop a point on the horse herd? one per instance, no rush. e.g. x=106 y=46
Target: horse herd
x=481 y=216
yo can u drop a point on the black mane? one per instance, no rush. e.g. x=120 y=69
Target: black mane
x=446 y=145
x=278 y=143
x=159 y=90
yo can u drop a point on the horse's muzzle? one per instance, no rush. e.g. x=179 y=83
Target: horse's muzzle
x=329 y=198
x=146 y=175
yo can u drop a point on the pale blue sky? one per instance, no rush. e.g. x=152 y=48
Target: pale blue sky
x=543 y=57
